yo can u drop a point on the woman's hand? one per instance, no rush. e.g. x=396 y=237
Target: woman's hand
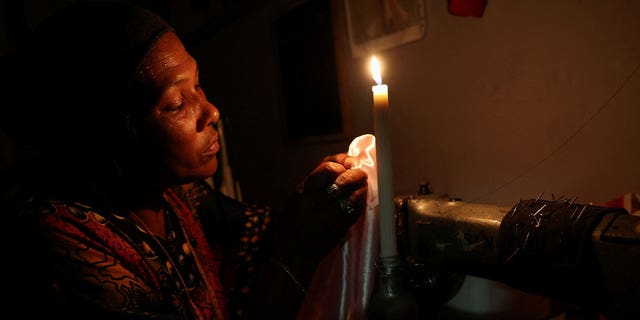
x=327 y=202
x=339 y=177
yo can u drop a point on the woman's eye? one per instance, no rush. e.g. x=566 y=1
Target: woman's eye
x=174 y=107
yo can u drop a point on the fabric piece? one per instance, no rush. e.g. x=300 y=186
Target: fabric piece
x=207 y=260
x=107 y=266
x=344 y=281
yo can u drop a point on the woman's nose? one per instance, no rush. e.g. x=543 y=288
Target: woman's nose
x=209 y=114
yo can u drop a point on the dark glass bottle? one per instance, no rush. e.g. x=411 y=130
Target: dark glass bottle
x=390 y=299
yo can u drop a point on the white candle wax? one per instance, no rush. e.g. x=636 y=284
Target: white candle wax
x=383 y=163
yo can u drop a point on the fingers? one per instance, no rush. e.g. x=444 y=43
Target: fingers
x=322 y=176
x=349 y=182
x=359 y=196
x=333 y=169
x=351 y=179
x=351 y=203
x=330 y=199
x=344 y=159
x=336 y=177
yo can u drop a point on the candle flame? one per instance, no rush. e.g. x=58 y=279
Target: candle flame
x=375 y=70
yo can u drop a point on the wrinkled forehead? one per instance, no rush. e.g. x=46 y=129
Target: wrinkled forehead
x=165 y=61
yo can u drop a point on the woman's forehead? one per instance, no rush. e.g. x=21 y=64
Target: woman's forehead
x=167 y=61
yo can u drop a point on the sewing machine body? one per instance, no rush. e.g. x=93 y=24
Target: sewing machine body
x=582 y=255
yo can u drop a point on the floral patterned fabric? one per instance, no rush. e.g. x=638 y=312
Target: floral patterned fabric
x=105 y=264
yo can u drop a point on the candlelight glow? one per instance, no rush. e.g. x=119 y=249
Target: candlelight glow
x=375 y=70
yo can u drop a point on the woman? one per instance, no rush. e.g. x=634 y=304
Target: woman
x=118 y=220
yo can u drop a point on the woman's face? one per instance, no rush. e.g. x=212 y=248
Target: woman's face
x=179 y=128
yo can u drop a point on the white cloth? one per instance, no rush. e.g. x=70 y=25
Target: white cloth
x=344 y=281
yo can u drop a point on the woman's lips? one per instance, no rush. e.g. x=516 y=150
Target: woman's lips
x=213 y=147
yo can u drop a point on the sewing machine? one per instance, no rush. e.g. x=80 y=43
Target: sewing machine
x=583 y=255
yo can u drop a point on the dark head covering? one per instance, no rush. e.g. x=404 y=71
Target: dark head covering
x=80 y=66
x=80 y=62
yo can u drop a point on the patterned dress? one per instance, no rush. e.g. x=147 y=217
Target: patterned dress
x=107 y=265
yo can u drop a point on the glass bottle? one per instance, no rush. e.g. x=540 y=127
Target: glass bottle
x=390 y=299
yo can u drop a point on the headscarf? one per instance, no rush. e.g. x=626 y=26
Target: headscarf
x=80 y=67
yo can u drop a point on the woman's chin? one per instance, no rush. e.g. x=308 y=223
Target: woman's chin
x=211 y=168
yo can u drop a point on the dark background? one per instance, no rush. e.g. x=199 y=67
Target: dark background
x=533 y=96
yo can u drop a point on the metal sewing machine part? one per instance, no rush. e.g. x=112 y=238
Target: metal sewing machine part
x=580 y=254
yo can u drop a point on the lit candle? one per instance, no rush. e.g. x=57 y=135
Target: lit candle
x=383 y=163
